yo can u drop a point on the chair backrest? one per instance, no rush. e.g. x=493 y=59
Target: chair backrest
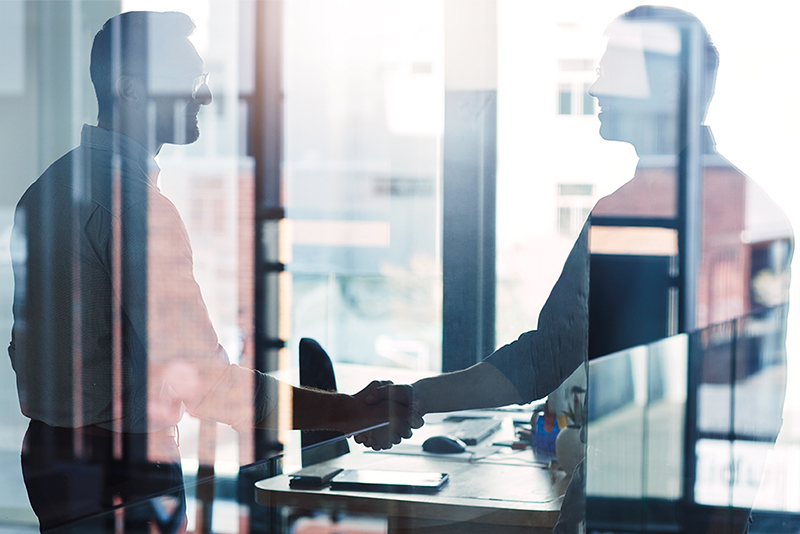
x=316 y=370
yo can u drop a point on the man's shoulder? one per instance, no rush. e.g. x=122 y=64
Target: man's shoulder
x=86 y=174
x=734 y=202
x=60 y=173
x=764 y=219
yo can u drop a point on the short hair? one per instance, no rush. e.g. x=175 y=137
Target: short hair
x=679 y=18
x=123 y=47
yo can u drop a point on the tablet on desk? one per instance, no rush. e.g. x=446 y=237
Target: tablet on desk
x=389 y=481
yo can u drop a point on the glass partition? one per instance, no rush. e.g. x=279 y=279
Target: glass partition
x=413 y=185
x=683 y=440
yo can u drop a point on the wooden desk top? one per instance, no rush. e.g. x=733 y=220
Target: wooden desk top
x=518 y=497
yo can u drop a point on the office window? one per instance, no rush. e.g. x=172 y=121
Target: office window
x=573 y=204
x=575 y=76
x=574 y=99
x=564 y=99
x=588 y=100
x=362 y=172
x=367 y=140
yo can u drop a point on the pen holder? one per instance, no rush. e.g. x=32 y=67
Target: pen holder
x=542 y=440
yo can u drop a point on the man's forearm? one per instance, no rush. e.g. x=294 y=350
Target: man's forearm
x=480 y=386
x=313 y=409
x=309 y=409
x=324 y=410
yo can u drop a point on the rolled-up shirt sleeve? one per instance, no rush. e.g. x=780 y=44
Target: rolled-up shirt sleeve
x=540 y=360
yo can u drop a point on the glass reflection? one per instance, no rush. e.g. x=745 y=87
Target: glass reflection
x=676 y=287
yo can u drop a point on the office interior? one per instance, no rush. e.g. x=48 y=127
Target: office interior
x=402 y=182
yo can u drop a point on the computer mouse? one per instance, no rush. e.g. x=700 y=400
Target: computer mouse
x=444 y=445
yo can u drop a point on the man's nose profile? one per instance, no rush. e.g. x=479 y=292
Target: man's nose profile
x=203 y=94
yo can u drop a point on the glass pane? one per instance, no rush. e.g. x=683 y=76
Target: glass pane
x=449 y=176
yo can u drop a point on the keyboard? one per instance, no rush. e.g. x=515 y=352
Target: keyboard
x=472 y=430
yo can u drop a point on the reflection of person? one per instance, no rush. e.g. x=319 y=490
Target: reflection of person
x=744 y=247
x=745 y=239
x=745 y=242
x=111 y=339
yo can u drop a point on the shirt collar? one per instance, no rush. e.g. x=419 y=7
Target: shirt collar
x=127 y=147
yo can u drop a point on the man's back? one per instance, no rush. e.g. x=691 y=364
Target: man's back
x=63 y=242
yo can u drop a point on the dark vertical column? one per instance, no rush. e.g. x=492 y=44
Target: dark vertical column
x=694 y=379
x=690 y=188
x=57 y=57
x=265 y=145
x=265 y=124
x=690 y=175
x=469 y=182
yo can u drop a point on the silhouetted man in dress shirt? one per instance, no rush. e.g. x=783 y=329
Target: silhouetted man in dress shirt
x=112 y=341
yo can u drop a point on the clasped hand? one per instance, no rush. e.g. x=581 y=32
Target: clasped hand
x=397 y=402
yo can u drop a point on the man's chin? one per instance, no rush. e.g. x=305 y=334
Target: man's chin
x=607 y=130
x=191 y=131
x=192 y=135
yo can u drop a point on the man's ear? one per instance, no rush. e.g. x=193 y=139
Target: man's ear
x=130 y=91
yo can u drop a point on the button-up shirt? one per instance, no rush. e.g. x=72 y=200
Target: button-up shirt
x=110 y=327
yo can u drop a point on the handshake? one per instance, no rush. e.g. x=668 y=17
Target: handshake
x=383 y=414
x=391 y=409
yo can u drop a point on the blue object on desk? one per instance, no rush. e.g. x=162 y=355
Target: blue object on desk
x=544 y=442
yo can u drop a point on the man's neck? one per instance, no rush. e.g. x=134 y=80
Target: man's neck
x=645 y=147
x=137 y=134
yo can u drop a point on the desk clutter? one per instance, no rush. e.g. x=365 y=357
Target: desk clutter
x=507 y=487
x=504 y=438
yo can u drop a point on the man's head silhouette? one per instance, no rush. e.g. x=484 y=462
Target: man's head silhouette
x=148 y=78
x=640 y=77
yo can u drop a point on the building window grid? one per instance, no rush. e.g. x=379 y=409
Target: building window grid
x=573 y=204
x=575 y=76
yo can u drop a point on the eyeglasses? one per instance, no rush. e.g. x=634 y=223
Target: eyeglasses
x=199 y=82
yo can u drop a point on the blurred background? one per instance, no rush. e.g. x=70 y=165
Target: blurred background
x=343 y=238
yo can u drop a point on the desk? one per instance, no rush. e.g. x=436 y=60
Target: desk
x=480 y=497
